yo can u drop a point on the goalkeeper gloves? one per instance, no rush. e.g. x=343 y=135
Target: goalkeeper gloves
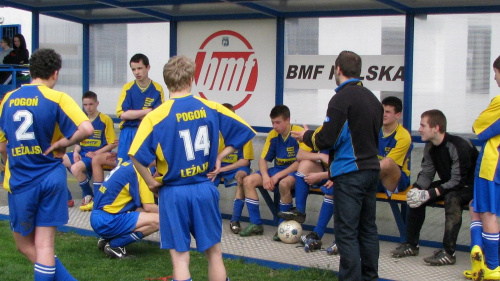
x=416 y=197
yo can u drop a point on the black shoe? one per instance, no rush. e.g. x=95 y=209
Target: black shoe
x=101 y=243
x=441 y=257
x=118 y=252
x=293 y=214
x=405 y=250
x=235 y=227
x=311 y=235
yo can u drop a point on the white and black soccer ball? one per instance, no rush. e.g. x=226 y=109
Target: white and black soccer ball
x=289 y=231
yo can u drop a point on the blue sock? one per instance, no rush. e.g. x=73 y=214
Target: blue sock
x=283 y=208
x=301 y=192
x=86 y=189
x=62 y=273
x=70 y=197
x=476 y=231
x=97 y=185
x=44 y=272
x=325 y=214
x=126 y=239
x=238 y=205
x=490 y=249
x=253 y=211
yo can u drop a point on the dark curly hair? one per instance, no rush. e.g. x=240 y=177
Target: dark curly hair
x=44 y=62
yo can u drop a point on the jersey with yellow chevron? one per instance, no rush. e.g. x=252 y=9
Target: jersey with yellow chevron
x=104 y=134
x=133 y=97
x=122 y=191
x=31 y=119
x=282 y=150
x=487 y=128
x=397 y=145
x=182 y=134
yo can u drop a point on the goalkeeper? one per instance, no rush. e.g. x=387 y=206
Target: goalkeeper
x=453 y=158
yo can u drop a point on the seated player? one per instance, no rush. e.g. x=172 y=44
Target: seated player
x=101 y=162
x=102 y=141
x=394 y=149
x=453 y=158
x=124 y=211
x=234 y=168
x=281 y=148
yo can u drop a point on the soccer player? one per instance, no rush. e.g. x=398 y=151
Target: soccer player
x=235 y=168
x=486 y=193
x=37 y=124
x=394 y=149
x=124 y=211
x=183 y=136
x=453 y=158
x=102 y=141
x=137 y=99
x=282 y=149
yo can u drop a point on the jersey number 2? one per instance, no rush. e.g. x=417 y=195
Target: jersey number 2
x=201 y=142
x=21 y=132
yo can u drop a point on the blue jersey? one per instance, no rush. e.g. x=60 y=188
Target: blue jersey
x=31 y=119
x=282 y=150
x=397 y=146
x=183 y=136
x=122 y=191
x=104 y=134
x=133 y=98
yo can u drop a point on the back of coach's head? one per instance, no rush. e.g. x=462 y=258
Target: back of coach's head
x=44 y=62
x=349 y=63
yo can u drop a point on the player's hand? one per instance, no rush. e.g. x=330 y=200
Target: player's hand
x=328 y=184
x=58 y=148
x=416 y=197
x=90 y=154
x=299 y=135
x=154 y=186
x=267 y=183
x=213 y=174
x=313 y=178
x=76 y=157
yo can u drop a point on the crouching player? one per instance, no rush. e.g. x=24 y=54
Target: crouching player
x=234 y=169
x=124 y=211
x=183 y=135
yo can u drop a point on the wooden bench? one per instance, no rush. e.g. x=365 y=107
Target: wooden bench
x=397 y=202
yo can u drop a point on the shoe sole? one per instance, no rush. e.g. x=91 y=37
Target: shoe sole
x=476 y=260
x=292 y=218
x=252 y=233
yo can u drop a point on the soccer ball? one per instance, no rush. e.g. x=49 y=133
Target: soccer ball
x=289 y=231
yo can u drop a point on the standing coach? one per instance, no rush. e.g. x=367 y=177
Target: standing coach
x=350 y=133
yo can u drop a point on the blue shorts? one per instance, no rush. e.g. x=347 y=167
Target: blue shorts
x=229 y=176
x=127 y=135
x=42 y=205
x=273 y=171
x=86 y=160
x=113 y=225
x=404 y=182
x=486 y=196
x=189 y=209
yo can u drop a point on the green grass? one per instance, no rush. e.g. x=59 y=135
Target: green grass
x=80 y=256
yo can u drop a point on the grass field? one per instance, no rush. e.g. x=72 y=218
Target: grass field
x=81 y=257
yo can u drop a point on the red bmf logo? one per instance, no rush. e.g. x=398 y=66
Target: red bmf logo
x=226 y=67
